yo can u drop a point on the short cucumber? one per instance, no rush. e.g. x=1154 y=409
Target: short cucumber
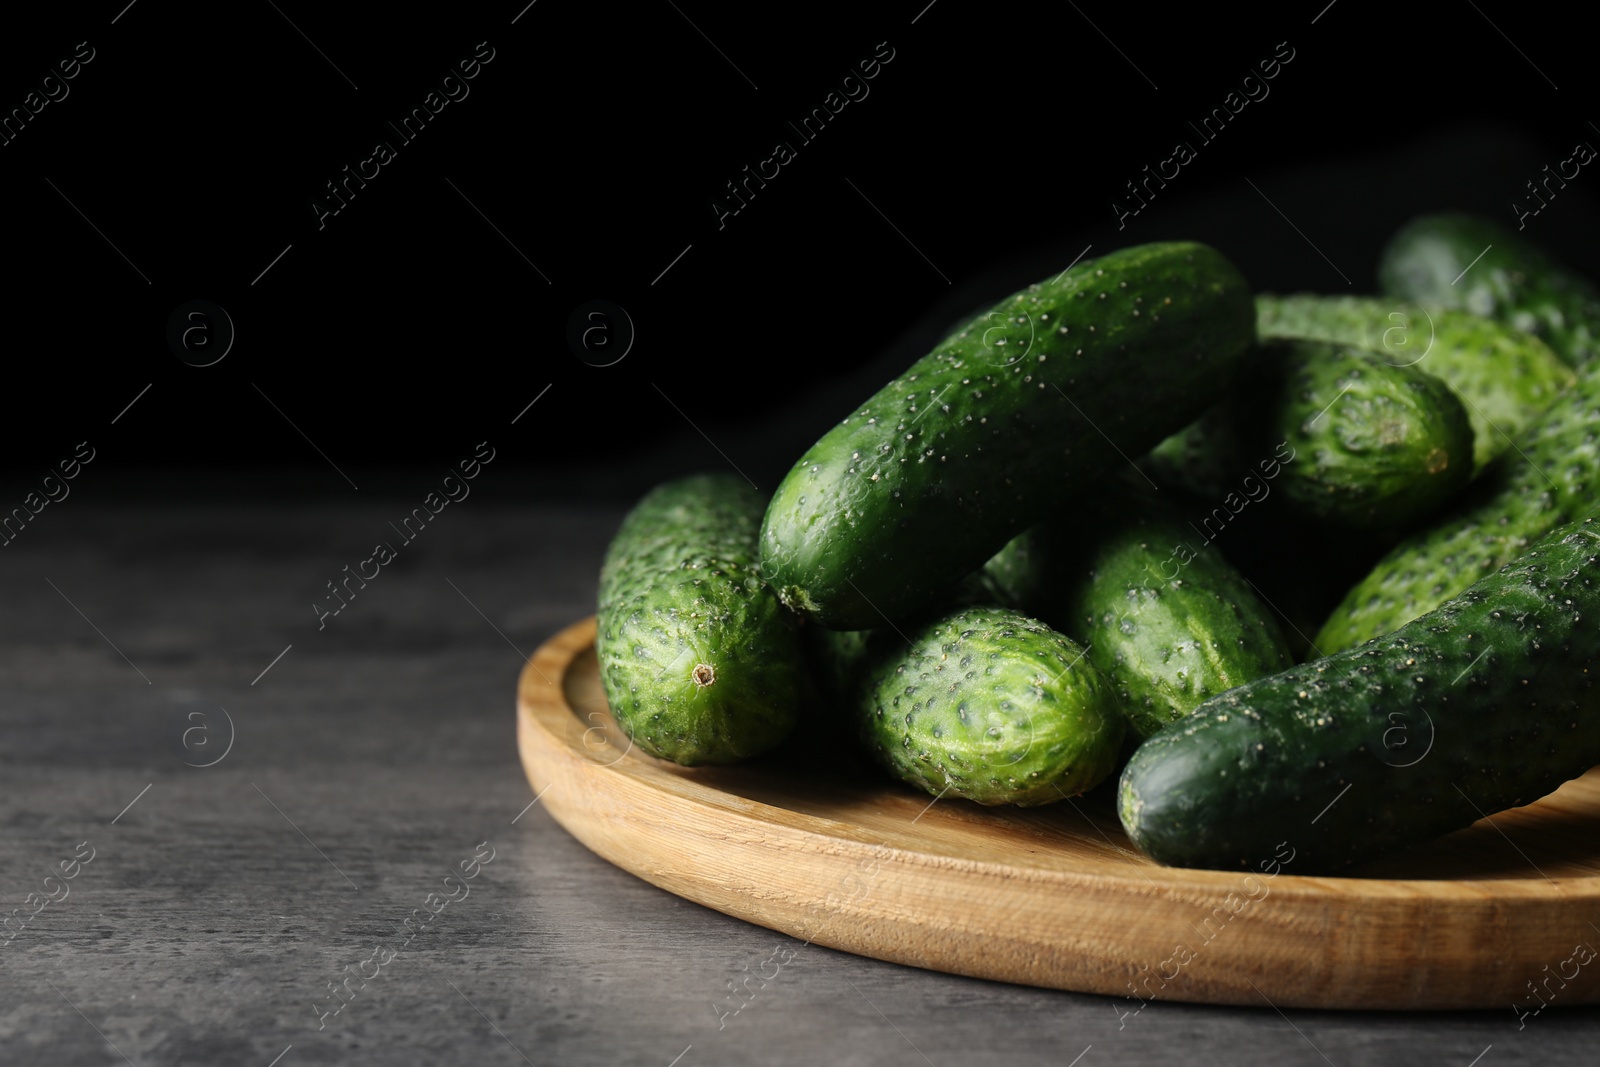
x=699 y=660
x=1375 y=445
x=1470 y=263
x=990 y=705
x=1504 y=377
x=935 y=473
x=1166 y=619
x=1547 y=480
x=1486 y=703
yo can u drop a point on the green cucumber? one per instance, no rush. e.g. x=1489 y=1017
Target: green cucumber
x=1504 y=377
x=1374 y=446
x=1169 y=624
x=1547 y=480
x=1486 y=703
x=1472 y=264
x=700 y=661
x=945 y=464
x=987 y=704
x=1378 y=445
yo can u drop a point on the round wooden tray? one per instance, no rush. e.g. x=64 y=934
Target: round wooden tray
x=1503 y=914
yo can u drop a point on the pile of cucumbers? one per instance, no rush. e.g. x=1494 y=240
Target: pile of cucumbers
x=1308 y=569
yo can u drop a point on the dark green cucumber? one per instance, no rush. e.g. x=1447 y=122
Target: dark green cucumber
x=948 y=462
x=990 y=705
x=1549 y=479
x=1166 y=619
x=1377 y=445
x=1486 y=703
x=1437 y=258
x=700 y=661
x=1374 y=445
x=1504 y=377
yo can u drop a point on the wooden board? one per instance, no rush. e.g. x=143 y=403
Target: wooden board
x=1504 y=913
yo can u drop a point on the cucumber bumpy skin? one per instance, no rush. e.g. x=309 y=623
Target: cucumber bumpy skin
x=1548 y=480
x=1504 y=377
x=699 y=660
x=1169 y=625
x=1484 y=704
x=948 y=462
x=1375 y=445
x=1434 y=258
x=990 y=705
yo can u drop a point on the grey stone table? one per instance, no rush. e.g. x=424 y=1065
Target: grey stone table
x=373 y=757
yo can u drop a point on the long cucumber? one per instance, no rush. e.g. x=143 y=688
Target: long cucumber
x=1486 y=703
x=1019 y=410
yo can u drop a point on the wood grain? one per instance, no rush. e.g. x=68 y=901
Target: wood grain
x=1056 y=896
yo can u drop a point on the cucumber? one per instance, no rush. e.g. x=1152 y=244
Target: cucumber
x=987 y=704
x=700 y=661
x=945 y=464
x=1486 y=703
x=1504 y=377
x=1435 y=258
x=1373 y=446
x=1377 y=445
x=1547 y=480
x=1168 y=623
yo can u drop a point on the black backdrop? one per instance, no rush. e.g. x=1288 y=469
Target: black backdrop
x=587 y=158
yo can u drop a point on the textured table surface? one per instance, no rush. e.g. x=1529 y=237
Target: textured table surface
x=368 y=760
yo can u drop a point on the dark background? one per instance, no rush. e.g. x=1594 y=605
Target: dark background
x=410 y=327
